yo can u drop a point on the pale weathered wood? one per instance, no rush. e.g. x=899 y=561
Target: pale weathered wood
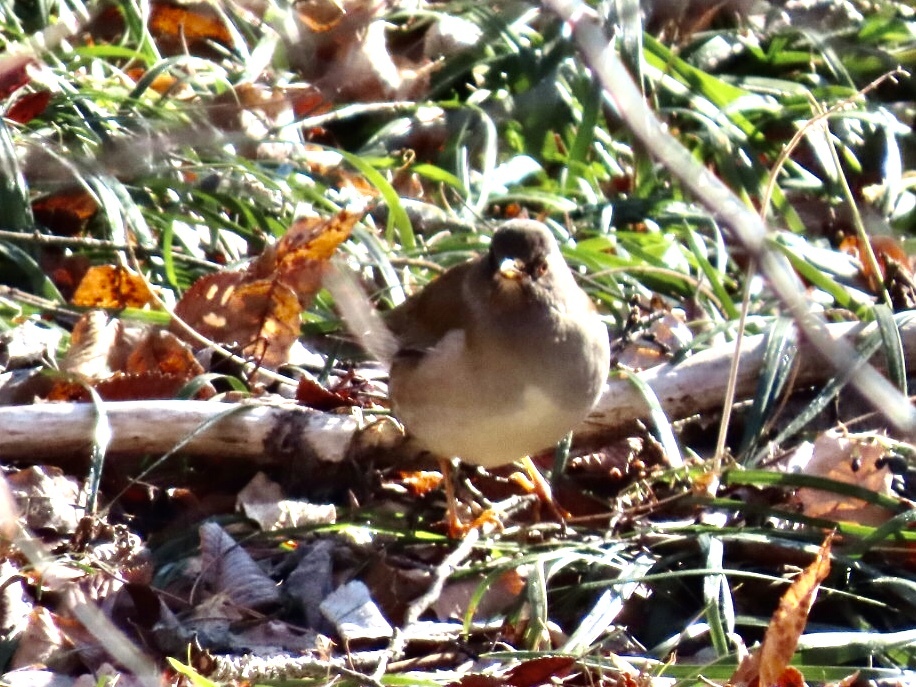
x=262 y=434
x=155 y=427
x=696 y=385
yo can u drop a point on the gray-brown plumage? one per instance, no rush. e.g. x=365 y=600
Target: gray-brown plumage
x=501 y=356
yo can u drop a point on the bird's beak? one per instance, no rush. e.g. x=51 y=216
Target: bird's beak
x=512 y=269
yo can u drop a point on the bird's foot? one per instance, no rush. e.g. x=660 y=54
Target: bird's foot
x=487 y=521
x=533 y=482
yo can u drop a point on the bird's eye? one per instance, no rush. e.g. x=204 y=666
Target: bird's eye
x=539 y=269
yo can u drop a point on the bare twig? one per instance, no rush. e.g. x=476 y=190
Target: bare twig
x=419 y=605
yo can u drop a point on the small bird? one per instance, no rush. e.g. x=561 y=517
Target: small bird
x=498 y=358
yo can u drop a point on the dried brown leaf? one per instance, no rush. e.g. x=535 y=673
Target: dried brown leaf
x=305 y=249
x=478 y=680
x=791 y=677
x=260 y=318
x=93 y=344
x=187 y=27
x=258 y=310
x=311 y=394
x=790 y=618
x=47 y=499
x=163 y=353
x=233 y=572
x=850 y=459
x=456 y=597
x=539 y=671
x=111 y=286
x=262 y=500
x=29 y=106
x=123 y=386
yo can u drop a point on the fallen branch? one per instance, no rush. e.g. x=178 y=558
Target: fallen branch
x=697 y=385
x=265 y=435
x=258 y=433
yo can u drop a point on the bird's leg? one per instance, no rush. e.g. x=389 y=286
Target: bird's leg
x=538 y=485
x=533 y=481
x=456 y=528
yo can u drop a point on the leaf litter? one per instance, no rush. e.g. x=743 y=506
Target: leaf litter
x=340 y=592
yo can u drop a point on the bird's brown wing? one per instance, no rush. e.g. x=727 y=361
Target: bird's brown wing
x=424 y=318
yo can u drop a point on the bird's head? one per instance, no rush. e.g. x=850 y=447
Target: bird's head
x=524 y=261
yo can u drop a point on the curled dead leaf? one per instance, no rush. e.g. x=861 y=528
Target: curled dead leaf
x=94 y=346
x=305 y=249
x=164 y=353
x=791 y=616
x=768 y=666
x=231 y=571
x=123 y=362
x=311 y=394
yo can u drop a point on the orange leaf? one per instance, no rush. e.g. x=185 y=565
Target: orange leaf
x=258 y=310
x=160 y=352
x=66 y=212
x=305 y=249
x=315 y=237
x=306 y=100
x=747 y=672
x=320 y=15
x=788 y=622
x=122 y=387
x=886 y=249
x=791 y=677
x=421 y=482
x=162 y=82
x=191 y=26
x=312 y=395
x=260 y=317
x=140 y=386
x=110 y=286
x=123 y=362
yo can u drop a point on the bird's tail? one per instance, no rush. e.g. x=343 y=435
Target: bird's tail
x=358 y=313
